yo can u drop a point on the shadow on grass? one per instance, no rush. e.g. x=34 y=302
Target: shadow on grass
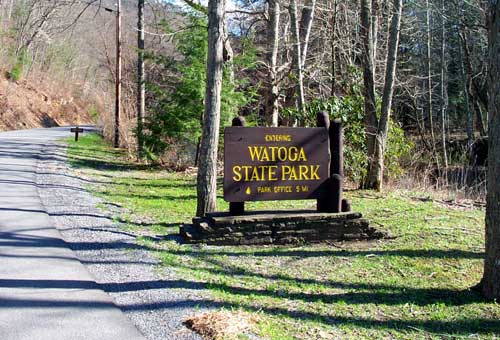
x=146 y=196
x=105 y=164
x=458 y=326
x=418 y=296
x=413 y=253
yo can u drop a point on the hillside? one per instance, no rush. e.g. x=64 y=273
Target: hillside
x=31 y=104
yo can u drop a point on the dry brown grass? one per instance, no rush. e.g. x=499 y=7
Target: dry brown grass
x=220 y=325
x=33 y=103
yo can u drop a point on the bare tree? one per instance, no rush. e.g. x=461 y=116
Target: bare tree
x=297 y=55
x=428 y=63
x=272 y=93
x=491 y=278
x=207 y=171
x=444 y=95
x=333 y=45
x=305 y=28
x=141 y=81
x=376 y=165
x=118 y=73
x=369 y=79
x=473 y=87
x=468 y=113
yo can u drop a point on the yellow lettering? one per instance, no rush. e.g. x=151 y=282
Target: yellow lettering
x=246 y=168
x=272 y=172
x=265 y=155
x=263 y=189
x=255 y=152
x=303 y=171
x=237 y=173
x=314 y=172
x=285 y=170
x=255 y=175
x=302 y=155
x=282 y=154
x=278 y=138
x=292 y=153
x=273 y=152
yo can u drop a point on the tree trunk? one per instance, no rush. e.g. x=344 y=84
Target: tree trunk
x=376 y=169
x=334 y=48
x=371 y=122
x=272 y=102
x=374 y=32
x=468 y=112
x=429 y=73
x=141 y=81
x=297 y=56
x=118 y=84
x=444 y=94
x=471 y=85
x=305 y=28
x=228 y=54
x=491 y=278
x=479 y=117
x=207 y=171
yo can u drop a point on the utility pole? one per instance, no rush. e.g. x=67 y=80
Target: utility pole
x=141 y=81
x=118 y=72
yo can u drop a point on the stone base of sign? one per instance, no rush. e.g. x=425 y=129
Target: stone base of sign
x=284 y=227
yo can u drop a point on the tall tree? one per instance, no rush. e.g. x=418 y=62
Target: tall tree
x=272 y=93
x=333 y=45
x=207 y=171
x=491 y=278
x=305 y=28
x=376 y=165
x=444 y=94
x=430 y=115
x=141 y=81
x=368 y=79
x=468 y=113
x=472 y=84
x=297 y=55
x=118 y=82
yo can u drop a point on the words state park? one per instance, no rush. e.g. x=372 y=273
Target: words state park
x=276 y=171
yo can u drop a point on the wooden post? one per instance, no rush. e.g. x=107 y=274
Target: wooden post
x=237 y=208
x=346 y=205
x=118 y=73
x=337 y=166
x=335 y=187
x=332 y=199
x=323 y=120
x=337 y=148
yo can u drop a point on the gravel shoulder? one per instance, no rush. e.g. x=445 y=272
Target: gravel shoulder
x=153 y=297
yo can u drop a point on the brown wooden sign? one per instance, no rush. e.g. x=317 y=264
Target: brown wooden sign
x=263 y=163
x=76 y=130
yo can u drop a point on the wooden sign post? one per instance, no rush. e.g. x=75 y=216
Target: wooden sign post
x=76 y=130
x=264 y=163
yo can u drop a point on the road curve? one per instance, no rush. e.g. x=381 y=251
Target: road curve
x=45 y=292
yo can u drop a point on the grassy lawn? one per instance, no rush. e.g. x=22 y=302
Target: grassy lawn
x=414 y=286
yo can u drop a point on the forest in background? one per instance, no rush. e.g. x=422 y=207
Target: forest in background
x=284 y=62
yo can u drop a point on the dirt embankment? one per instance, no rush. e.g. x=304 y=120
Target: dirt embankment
x=32 y=104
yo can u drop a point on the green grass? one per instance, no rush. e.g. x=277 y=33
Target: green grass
x=415 y=286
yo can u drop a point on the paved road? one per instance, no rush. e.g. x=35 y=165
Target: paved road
x=45 y=292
